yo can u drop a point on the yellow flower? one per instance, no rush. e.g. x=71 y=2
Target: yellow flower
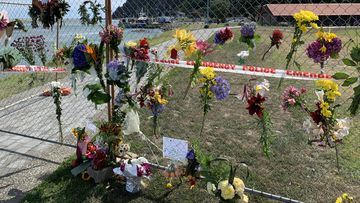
x=222 y=184
x=323 y=49
x=228 y=192
x=306 y=18
x=303 y=28
x=130 y=44
x=314 y=25
x=186 y=41
x=74 y=132
x=78 y=37
x=208 y=73
x=326 y=113
x=210 y=94
x=327 y=85
x=91 y=52
x=169 y=185
x=244 y=199
x=325 y=105
x=239 y=186
x=327 y=36
x=160 y=100
x=339 y=200
x=331 y=95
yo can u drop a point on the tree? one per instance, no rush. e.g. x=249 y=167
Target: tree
x=219 y=9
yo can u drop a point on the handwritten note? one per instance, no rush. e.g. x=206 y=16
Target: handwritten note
x=175 y=149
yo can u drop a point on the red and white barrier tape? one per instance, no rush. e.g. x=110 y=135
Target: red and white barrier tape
x=23 y=68
x=246 y=70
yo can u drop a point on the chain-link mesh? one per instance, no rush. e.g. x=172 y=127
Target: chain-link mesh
x=29 y=134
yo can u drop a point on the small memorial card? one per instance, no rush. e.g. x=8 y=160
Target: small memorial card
x=175 y=149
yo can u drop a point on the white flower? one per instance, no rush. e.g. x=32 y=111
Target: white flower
x=244 y=199
x=311 y=128
x=243 y=54
x=320 y=95
x=55 y=84
x=262 y=87
x=78 y=37
x=210 y=188
x=342 y=128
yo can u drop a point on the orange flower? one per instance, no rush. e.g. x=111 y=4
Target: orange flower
x=91 y=52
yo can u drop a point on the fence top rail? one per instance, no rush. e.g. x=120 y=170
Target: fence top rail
x=15 y=3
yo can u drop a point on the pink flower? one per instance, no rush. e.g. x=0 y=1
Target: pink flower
x=291 y=101
x=204 y=47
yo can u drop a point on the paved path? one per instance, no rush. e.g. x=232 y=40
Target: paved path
x=29 y=147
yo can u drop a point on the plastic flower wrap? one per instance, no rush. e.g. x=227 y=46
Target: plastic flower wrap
x=134 y=170
x=248 y=35
x=325 y=46
x=211 y=86
x=224 y=35
x=113 y=36
x=276 y=40
x=255 y=97
x=304 y=19
x=154 y=98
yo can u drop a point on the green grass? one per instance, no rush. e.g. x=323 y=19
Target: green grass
x=295 y=169
x=21 y=82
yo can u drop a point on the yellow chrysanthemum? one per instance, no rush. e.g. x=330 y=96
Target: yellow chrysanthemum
x=239 y=186
x=210 y=94
x=306 y=18
x=208 y=73
x=332 y=95
x=339 y=200
x=325 y=105
x=327 y=84
x=327 y=36
x=74 y=132
x=326 y=113
x=228 y=192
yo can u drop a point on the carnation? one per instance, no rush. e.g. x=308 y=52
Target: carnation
x=228 y=192
x=224 y=35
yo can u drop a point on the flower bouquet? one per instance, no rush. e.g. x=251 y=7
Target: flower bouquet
x=230 y=190
x=303 y=19
x=134 y=170
x=328 y=130
x=139 y=53
x=327 y=45
x=255 y=96
x=29 y=46
x=112 y=36
x=276 y=40
x=211 y=86
x=248 y=35
x=153 y=98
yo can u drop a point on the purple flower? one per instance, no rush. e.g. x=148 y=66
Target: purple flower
x=223 y=36
x=248 y=30
x=79 y=56
x=320 y=51
x=156 y=109
x=191 y=155
x=113 y=70
x=221 y=89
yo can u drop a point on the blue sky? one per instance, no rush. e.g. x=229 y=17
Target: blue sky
x=20 y=11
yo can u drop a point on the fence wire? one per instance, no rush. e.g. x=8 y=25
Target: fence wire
x=28 y=128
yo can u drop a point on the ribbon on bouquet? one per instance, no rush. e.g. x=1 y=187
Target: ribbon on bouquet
x=245 y=70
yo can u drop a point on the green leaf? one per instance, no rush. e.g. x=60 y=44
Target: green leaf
x=349 y=62
x=354 y=107
x=350 y=81
x=340 y=76
x=355 y=54
x=97 y=96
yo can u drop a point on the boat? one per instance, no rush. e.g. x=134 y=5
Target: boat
x=142 y=22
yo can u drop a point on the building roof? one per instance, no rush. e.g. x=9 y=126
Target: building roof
x=333 y=9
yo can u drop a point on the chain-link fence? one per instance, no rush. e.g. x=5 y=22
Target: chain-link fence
x=28 y=127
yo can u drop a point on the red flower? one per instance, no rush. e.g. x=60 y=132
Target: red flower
x=255 y=105
x=174 y=54
x=276 y=38
x=316 y=115
x=144 y=44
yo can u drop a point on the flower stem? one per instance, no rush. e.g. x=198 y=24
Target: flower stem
x=267 y=51
x=193 y=74
x=322 y=71
x=203 y=123
x=155 y=126
x=337 y=157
